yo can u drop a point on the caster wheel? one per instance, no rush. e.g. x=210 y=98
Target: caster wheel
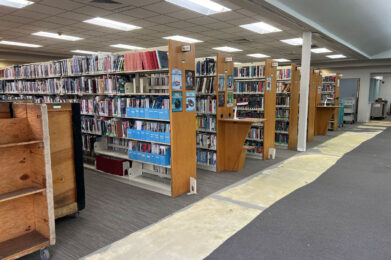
x=75 y=215
x=44 y=254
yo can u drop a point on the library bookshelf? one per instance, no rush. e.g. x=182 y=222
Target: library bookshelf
x=26 y=191
x=330 y=90
x=287 y=106
x=206 y=120
x=255 y=83
x=125 y=107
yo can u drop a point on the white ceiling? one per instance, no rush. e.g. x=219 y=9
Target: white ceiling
x=157 y=19
x=359 y=24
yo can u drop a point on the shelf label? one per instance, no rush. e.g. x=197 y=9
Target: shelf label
x=275 y=64
x=228 y=59
x=186 y=48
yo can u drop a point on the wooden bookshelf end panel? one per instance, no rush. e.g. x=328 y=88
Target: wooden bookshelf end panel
x=294 y=107
x=183 y=126
x=62 y=155
x=270 y=108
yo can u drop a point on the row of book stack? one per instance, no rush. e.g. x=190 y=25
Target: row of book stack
x=94 y=64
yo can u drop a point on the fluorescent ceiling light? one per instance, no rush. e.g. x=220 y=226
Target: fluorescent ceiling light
x=282 y=60
x=320 y=50
x=58 y=36
x=22 y=44
x=336 y=56
x=16 y=3
x=112 y=24
x=260 y=27
x=84 y=52
x=237 y=63
x=227 y=49
x=258 y=55
x=182 y=39
x=294 y=41
x=125 y=46
x=205 y=7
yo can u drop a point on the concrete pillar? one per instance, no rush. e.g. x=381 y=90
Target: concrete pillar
x=304 y=89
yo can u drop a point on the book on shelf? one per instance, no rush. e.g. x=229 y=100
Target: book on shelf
x=206 y=158
x=205 y=85
x=284 y=74
x=253 y=71
x=206 y=66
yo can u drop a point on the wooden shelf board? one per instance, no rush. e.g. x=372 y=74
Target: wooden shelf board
x=20 y=193
x=249 y=93
x=22 y=245
x=126 y=117
x=140 y=140
x=90 y=74
x=206 y=131
x=20 y=143
x=206 y=167
x=206 y=148
x=125 y=157
x=254 y=156
x=243 y=120
x=139 y=181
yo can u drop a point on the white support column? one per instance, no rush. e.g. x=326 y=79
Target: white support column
x=304 y=90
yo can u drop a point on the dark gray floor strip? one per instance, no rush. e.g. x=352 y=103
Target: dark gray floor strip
x=344 y=214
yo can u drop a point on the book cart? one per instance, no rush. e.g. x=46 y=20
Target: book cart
x=26 y=191
x=255 y=83
x=287 y=106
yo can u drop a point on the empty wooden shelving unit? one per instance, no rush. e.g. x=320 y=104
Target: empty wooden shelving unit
x=26 y=191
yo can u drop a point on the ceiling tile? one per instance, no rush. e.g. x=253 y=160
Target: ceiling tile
x=139 y=13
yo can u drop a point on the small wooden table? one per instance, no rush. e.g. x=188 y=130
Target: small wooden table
x=233 y=152
x=323 y=117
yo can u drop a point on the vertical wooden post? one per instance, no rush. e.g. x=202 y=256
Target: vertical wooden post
x=269 y=126
x=294 y=107
x=226 y=69
x=183 y=130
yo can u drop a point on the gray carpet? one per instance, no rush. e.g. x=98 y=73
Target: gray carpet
x=115 y=210
x=344 y=214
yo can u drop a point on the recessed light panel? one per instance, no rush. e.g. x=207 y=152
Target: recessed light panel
x=282 y=60
x=127 y=47
x=205 y=7
x=181 y=39
x=320 y=50
x=16 y=3
x=294 y=41
x=58 y=36
x=336 y=56
x=21 y=44
x=227 y=49
x=260 y=28
x=258 y=55
x=111 y=24
x=84 y=52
